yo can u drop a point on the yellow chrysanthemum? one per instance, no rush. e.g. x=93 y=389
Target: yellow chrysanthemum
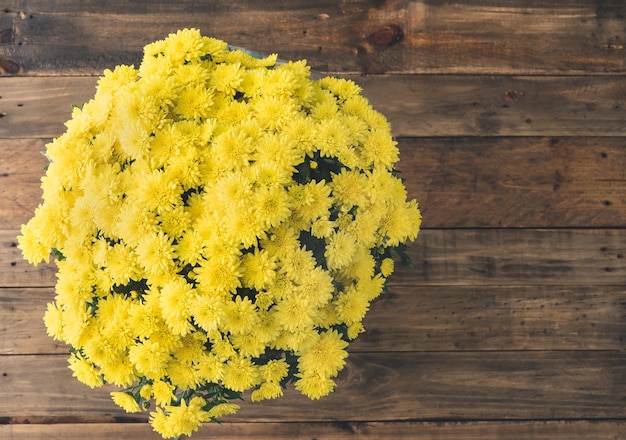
x=352 y=304
x=163 y=392
x=222 y=409
x=176 y=301
x=220 y=275
x=240 y=374
x=386 y=267
x=294 y=313
x=150 y=359
x=325 y=357
x=240 y=316
x=314 y=385
x=85 y=372
x=155 y=253
x=340 y=250
x=182 y=419
x=275 y=370
x=258 y=269
x=126 y=401
x=267 y=390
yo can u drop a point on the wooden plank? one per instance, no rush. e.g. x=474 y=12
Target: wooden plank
x=508 y=257
x=22 y=330
x=450 y=105
x=21 y=168
x=459 y=182
x=366 y=36
x=516 y=182
x=416 y=105
x=448 y=257
x=373 y=387
x=412 y=318
x=526 y=430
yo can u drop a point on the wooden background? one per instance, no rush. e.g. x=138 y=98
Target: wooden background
x=511 y=119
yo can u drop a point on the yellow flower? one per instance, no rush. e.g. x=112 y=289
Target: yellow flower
x=294 y=313
x=189 y=247
x=239 y=316
x=155 y=253
x=182 y=375
x=380 y=149
x=352 y=304
x=314 y=385
x=85 y=371
x=258 y=269
x=275 y=370
x=184 y=46
x=33 y=249
x=208 y=311
x=155 y=190
x=126 y=401
x=175 y=221
x=112 y=80
x=240 y=374
x=250 y=345
x=120 y=371
x=271 y=205
x=150 y=359
x=316 y=286
x=325 y=357
x=298 y=264
x=220 y=275
x=176 y=302
x=348 y=187
x=163 y=392
x=267 y=390
x=53 y=319
x=182 y=419
x=340 y=250
x=222 y=409
x=121 y=263
x=209 y=368
x=386 y=267
x=227 y=78
x=194 y=103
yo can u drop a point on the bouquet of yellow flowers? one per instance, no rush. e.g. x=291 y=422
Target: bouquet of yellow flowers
x=221 y=224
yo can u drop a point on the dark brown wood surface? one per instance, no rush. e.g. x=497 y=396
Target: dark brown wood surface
x=511 y=122
x=345 y=430
x=371 y=36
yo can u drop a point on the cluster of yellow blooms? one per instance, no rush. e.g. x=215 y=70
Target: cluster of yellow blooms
x=222 y=223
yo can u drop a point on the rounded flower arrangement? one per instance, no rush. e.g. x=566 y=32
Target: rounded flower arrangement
x=221 y=224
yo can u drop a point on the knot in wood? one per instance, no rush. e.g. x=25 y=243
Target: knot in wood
x=513 y=95
x=387 y=36
x=10 y=67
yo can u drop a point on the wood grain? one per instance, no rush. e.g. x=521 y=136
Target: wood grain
x=415 y=318
x=511 y=122
x=526 y=430
x=432 y=36
x=373 y=386
x=450 y=257
x=416 y=105
x=509 y=257
x=516 y=182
